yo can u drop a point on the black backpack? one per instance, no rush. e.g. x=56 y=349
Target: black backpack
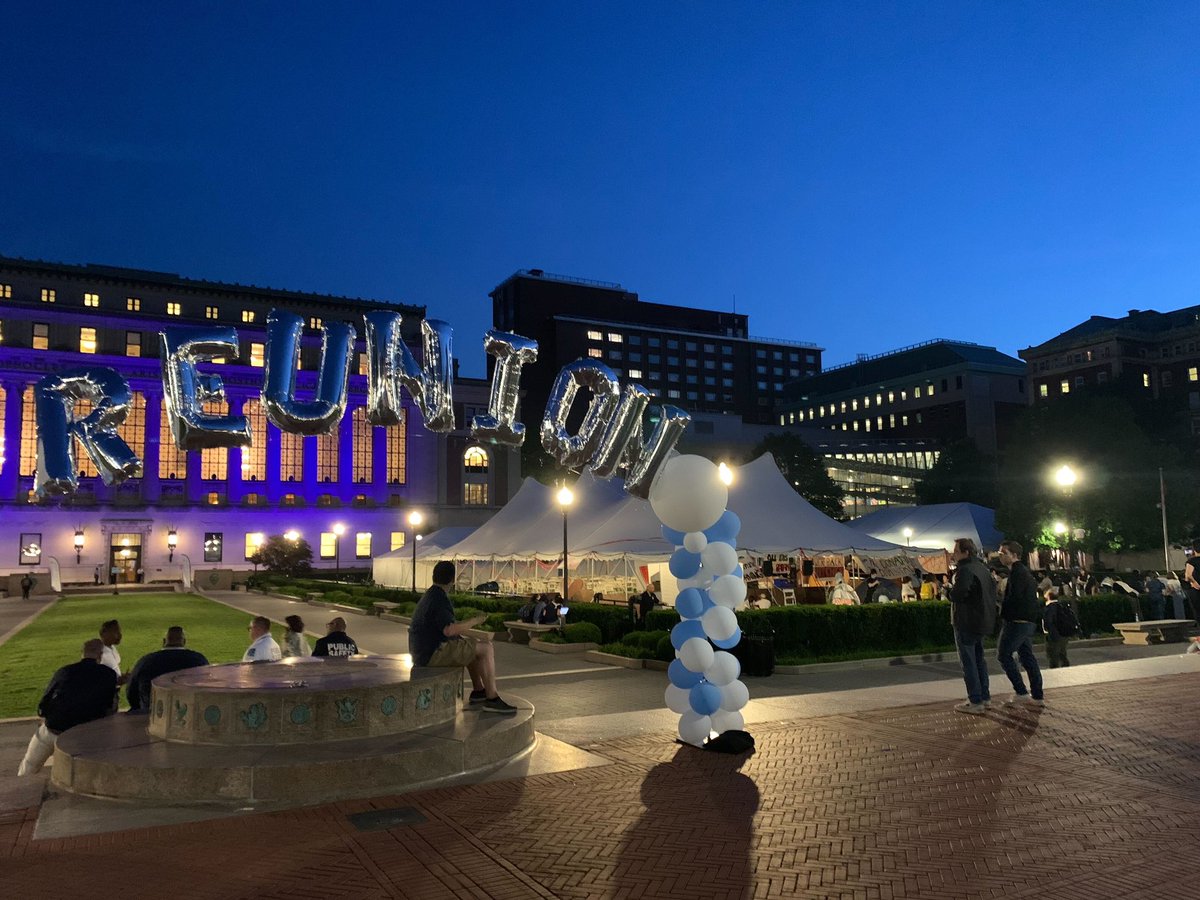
x=731 y=742
x=1066 y=622
x=525 y=613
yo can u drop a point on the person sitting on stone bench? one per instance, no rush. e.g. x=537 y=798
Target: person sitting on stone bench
x=173 y=657
x=336 y=642
x=438 y=641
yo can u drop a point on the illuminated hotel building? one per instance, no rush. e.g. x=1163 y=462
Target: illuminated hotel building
x=207 y=509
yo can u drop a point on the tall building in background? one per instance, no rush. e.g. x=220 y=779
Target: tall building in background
x=212 y=506
x=696 y=358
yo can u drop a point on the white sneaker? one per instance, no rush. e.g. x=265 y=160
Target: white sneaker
x=973 y=709
x=1023 y=700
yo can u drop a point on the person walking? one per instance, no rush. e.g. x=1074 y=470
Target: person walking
x=1056 y=641
x=972 y=616
x=1020 y=614
x=26 y=586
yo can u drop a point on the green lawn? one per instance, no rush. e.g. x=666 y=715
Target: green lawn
x=54 y=639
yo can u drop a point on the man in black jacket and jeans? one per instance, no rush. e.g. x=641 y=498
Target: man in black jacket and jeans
x=972 y=616
x=1020 y=614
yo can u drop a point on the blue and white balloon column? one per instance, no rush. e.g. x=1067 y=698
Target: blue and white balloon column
x=690 y=499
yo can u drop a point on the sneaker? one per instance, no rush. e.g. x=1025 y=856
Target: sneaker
x=477 y=697
x=1023 y=700
x=973 y=709
x=496 y=705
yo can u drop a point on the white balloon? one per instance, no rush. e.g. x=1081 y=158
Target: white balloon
x=695 y=541
x=719 y=558
x=725 y=720
x=688 y=494
x=719 y=623
x=734 y=696
x=678 y=699
x=700 y=580
x=728 y=590
x=725 y=668
x=696 y=654
x=694 y=728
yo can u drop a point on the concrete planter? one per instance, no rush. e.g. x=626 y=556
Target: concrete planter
x=546 y=647
x=656 y=665
x=611 y=659
x=391 y=617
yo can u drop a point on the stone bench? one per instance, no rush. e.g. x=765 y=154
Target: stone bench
x=1154 y=631
x=520 y=632
x=382 y=607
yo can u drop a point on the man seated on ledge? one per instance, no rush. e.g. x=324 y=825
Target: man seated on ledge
x=437 y=641
x=336 y=642
x=172 y=658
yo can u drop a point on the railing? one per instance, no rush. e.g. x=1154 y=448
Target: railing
x=570 y=279
x=863 y=357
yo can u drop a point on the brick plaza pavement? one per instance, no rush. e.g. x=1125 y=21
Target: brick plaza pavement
x=1096 y=796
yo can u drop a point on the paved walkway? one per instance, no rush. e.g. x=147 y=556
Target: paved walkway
x=1095 y=796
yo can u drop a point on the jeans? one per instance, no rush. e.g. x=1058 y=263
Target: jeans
x=974 y=665
x=1056 y=652
x=1016 y=637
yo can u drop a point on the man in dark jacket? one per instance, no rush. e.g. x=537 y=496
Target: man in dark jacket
x=173 y=657
x=1020 y=614
x=77 y=693
x=336 y=642
x=972 y=616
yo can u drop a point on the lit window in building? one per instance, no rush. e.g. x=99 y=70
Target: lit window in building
x=1192 y=374
x=853 y=406
x=635 y=373
x=363 y=366
x=315 y=323
x=904 y=421
x=595 y=336
x=1145 y=380
x=929 y=389
x=92 y=300
x=247 y=315
x=133 y=304
x=172 y=462
x=397 y=540
x=324 y=499
x=866 y=402
x=256 y=354
x=288 y=500
x=615 y=338
x=214 y=461
x=327 y=456
x=904 y=395
x=254 y=540
x=133 y=429
x=48 y=295
x=595 y=353
x=252 y=499
x=362 y=448
x=41 y=336
x=879 y=423
x=328 y=545
x=475 y=494
x=254 y=457
x=362 y=545
x=87 y=468
x=1043 y=390
x=673 y=394
x=782 y=420
x=396 y=460
x=214 y=546
x=917 y=392
x=291 y=456
x=476 y=460
x=213 y=499
x=1065 y=386
x=879 y=399
x=174 y=308
x=87 y=340
x=28 y=434
x=5 y=291
x=892 y=420
x=210 y=312
x=133 y=343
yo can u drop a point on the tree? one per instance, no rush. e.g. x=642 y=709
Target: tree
x=805 y=471
x=962 y=474
x=285 y=557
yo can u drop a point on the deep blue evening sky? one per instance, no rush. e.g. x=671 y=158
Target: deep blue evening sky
x=863 y=176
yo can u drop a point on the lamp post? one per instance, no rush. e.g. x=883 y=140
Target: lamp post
x=257 y=540
x=414 y=520
x=1066 y=478
x=172 y=543
x=908 y=536
x=565 y=497
x=78 y=545
x=338 y=530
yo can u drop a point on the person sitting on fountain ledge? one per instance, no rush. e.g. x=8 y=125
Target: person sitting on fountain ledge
x=174 y=656
x=437 y=641
x=77 y=693
x=336 y=642
x=263 y=647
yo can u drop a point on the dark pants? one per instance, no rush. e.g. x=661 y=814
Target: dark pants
x=1056 y=652
x=974 y=665
x=25 y=592
x=1016 y=637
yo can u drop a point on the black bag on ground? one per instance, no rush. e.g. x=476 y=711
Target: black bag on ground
x=731 y=742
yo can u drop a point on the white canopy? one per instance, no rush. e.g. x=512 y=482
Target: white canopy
x=394 y=568
x=935 y=525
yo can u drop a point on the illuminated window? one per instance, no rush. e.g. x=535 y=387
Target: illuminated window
x=1192 y=374
x=214 y=546
x=254 y=540
x=172 y=462
x=213 y=499
x=256 y=354
x=41 y=336
x=1043 y=390
x=327 y=456
x=397 y=540
x=210 y=312
x=328 y=545
x=362 y=545
x=904 y=395
x=1145 y=380
x=252 y=499
x=133 y=304
x=917 y=392
x=288 y=500
x=133 y=429
x=291 y=456
x=476 y=460
x=635 y=373
x=28 y=434
x=91 y=300
x=929 y=389
x=49 y=296
x=615 y=338
x=475 y=494
x=133 y=343
x=87 y=340
x=5 y=291
x=396 y=461
x=214 y=461
x=595 y=336
x=854 y=405
x=1065 y=386
x=87 y=468
x=254 y=457
x=362 y=364
x=363 y=456
x=174 y=308
x=595 y=353
x=247 y=315
x=314 y=322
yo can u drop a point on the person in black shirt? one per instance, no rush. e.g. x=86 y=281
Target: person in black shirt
x=336 y=642
x=77 y=693
x=173 y=657
x=436 y=640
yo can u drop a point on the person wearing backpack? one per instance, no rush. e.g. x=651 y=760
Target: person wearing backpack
x=1056 y=641
x=1021 y=615
x=972 y=616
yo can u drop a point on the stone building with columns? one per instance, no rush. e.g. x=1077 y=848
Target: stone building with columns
x=348 y=493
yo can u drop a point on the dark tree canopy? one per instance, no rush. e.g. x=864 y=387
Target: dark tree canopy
x=805 y=471
x=285 y=557
x=962 y=474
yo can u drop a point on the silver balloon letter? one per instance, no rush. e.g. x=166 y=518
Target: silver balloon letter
x=500 y=425
x=572 y=452
x=322 y=414
x=671 y=425
x=186 y=391
x=54 y=404
x=390 y=366
x=622 y=439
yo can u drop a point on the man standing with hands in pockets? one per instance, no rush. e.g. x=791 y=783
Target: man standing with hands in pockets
x=1020 y=614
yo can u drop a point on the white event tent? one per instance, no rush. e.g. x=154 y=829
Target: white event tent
x=615 y=543
x=935 y=525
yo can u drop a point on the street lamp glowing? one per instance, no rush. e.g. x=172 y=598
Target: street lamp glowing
x=78 y=544
x=258 y=539
x=172 y=543
x=339 y=529
x=292 y=535
x=415 y=518
x=1060 y=528
x=908 y=536
x=1065 y=476
x=414 y=522
x=565 y=497
x=725 y=474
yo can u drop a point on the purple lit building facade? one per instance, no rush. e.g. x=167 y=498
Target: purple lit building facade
x=208 y=509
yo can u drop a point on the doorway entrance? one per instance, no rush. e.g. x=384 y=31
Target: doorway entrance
x=125 y=558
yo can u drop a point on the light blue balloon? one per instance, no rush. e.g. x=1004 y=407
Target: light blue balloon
x=685 y=630
x=681 y=677
x=690 y=603
x=730 y=642
x=684 y=563
x=672 y=537
x=738 y=572
x=726 y=529
x=705 y=698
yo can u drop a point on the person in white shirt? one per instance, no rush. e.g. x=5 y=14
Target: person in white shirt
x=110 y=634
x=263 y=647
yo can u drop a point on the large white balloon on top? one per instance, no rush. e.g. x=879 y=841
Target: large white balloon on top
x=688 y=495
